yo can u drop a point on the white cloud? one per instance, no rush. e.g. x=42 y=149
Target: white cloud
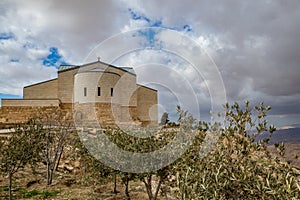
x=254 y=44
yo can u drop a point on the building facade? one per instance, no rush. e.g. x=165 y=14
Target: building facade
x=94 y=91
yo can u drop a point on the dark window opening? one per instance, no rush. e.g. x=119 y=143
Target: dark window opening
x=111 y=91
x=99 y=91
x=84 y=91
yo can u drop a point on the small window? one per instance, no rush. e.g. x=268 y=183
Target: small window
x=84 y=91
x=111 y=91
x=99 y=91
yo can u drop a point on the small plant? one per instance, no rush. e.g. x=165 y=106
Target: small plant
x=29 y=194
x=45 y=194
x=41 y=195
x=280 y=149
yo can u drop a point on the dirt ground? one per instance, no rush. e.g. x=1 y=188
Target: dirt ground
x=68 y=189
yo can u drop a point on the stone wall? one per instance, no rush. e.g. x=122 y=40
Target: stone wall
x=147 y=108
x=87 y=114
x=43 y=90
x=16 y=114
x=66 y=85
x=125 y=90
x=103 y=115
x=30 y=102
x=95 y=114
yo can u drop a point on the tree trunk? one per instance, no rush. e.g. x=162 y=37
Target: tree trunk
x=127 y=190
x=49 y=174
x=59 y=157
x=115 y=184
x=157 y=188
x=9 y=185
x=148 y=185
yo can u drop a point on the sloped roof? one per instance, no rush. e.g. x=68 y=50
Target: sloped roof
x=63 y=68
x=129 y=69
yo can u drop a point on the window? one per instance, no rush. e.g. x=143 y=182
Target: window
x=111 y=91
x=84 y=92
x=99 y=91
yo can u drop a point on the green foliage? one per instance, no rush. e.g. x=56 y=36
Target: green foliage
x=237 y=168
x=45 y=194
x=29 y=194
x=186 y=120
x=280 y=148
x=245 y=120
x=40 y=195
x=18 y=150
x=95 y=172
x=137 y=144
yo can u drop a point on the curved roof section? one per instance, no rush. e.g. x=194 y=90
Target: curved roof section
x=97 y=70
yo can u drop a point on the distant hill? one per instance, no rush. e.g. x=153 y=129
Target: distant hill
x=286 y=135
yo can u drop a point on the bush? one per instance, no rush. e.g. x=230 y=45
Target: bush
x=237 y=168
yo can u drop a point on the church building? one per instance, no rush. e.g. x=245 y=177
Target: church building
x=87 y=92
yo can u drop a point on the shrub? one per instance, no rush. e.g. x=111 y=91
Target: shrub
x=237 y=168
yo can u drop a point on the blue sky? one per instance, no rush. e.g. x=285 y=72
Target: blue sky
x=6 y=36
x=54 y=59
x=10 y=96
x=253 y=44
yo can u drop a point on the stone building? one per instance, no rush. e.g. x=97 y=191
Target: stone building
x=91 y=91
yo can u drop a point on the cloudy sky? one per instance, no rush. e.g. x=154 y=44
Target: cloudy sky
x=196 y=53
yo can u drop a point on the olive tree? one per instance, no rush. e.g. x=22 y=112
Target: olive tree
x=53 y=139
x=19 y=149
x=130 y=143
x=238 y=167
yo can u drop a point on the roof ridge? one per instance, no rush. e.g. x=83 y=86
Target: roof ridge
x=64 y=68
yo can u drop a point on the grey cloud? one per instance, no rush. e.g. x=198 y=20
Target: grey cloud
x=235 y=23
x=254 y=43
